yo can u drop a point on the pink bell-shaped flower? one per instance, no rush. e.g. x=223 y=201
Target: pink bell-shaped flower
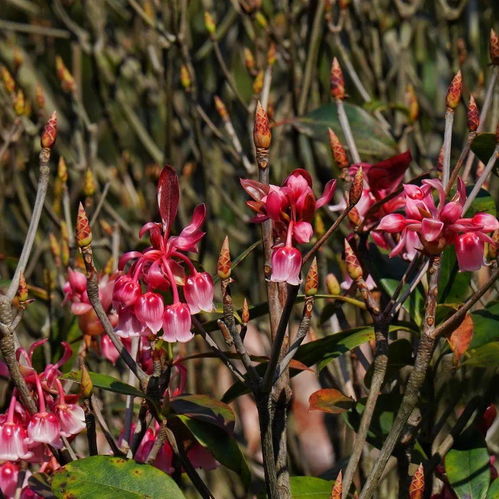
x=469 y=251
x=13 y=442
x=286 y=265
x=71 y=418
x=44 y=427
x=149 y=310
x=177 y=323
x=198 y=292
x=8 y=479
x=126 y=291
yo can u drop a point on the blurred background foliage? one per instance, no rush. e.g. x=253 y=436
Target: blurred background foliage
x=135 y=87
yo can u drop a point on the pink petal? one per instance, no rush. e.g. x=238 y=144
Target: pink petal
x=431 y=229
x=275 y=203
x=327 y=194
x=80 y=308
x=488 y=222
x=392 y=223
x=255 y=189
x=126 y=257
x=469 y=251
x=302 y=232
x=451 y=212
x=177 y=323
x=149 y=310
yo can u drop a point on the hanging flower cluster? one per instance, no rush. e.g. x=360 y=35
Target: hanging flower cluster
x=163 y=268
x=27 y=437
x=430 y=227
x=291 y=207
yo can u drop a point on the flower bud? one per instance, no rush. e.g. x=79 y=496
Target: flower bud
x=473 y=115
x=86 y=385
x=49 y=133
x=337 y=81
x=198 y=292
x=356 y=188
x=454 y=91
x=261 y=131
x=22 y=289
x=337 y=487
x=65 y=77
x=209 y=23
x=312 y=279
x=338 y=151
x=221 y=109
x=354 y=217
x=411 y=101
x=249 y=60
x=332 y=285
x=494 y=47
x=353 y=267
x=126 y=291
x=224 y=264
x=245 y=313
x=416 y=488
x=55 y=248
x=258 y=82
x=83 y=230
x=185 y=77
x=21 y=107
x=88 y=183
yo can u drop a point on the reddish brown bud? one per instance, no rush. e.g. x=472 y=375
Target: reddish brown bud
x=22 y=289
x=353 y=267
x=245 y=313
x=337 y=487
x=49 y=133
x=249 y=61
x=209 y=23
x=261 y=131
x=65 y=77
x=83 y=230
x=258 y=82
x=88 y=183
x=312 y=279
x=224 y=264
x=337 y=81
x=221 y=109
x=356 y=188
x=8 y=81
x=411 y=101
x=416 y=489
x=454 y=91
x=185 y=78
x=343 y=4
x=354 y=217
x=473 y=115
x=271 y=54
x=494 y=47
x=337 y=149
x=39 y=96
x=332 y=285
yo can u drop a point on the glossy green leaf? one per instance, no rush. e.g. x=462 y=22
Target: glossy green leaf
x=371 y=140
x=483 y=203
x=468 y=468
x=221 y=444
x=109 y=477
x=485 y=356
x=106 y=382
x=486 y=322
x=204 y=408
x=414 y=303
x=454 y=286
x=483 y=146
x=493 y=492
x=310 y=487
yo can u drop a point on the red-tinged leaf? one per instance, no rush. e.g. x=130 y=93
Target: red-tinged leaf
x=299 y=366
x=387 y=175
x=168 y=197
x=330 y=400
x=460 y=339
x=255 y=189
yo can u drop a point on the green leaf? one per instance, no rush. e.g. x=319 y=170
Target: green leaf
x=109 y=477
x=467 y=467
x=221 y=444
x=485 y=356
x=454 y=286
x=106 y=382
x=204 y=408
x=483 y=146
x=493 y=492
x=305 y=487
x=486 y=322
x=414 y=303
x=483 y=203
x=371 y=140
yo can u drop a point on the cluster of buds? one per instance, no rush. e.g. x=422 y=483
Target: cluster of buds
x=163 y=268
x=430 y=227
x=28 y=437
x=291 y=207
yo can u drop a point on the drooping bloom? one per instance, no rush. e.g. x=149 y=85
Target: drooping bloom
x=291 y=207
x=164 y=267
x=430 y=227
